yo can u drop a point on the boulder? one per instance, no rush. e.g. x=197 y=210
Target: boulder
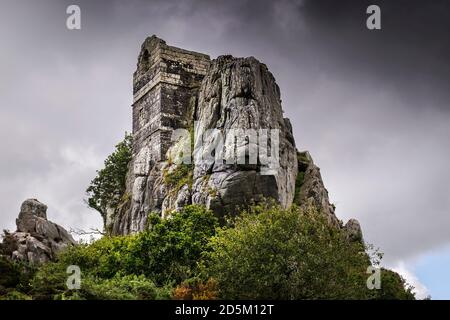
x=36 y=240
x=353 y=230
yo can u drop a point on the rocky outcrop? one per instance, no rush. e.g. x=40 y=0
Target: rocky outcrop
x=253 y=149
x=310 y=191
x=239 y=96
x=210 y=132
x=36 y=240
x=353 y=230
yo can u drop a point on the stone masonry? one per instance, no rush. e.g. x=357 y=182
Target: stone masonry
x=165 y=86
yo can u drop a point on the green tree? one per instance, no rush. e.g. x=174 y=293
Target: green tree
x=14 y=278
x=171 y=248
x=274 y=253
x=264 y=253
x=49 y=284
x=392 y=285
x=107 y=189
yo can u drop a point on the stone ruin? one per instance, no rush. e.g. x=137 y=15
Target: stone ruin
x=177 y=89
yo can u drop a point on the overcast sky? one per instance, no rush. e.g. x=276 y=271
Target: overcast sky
x=372 y=107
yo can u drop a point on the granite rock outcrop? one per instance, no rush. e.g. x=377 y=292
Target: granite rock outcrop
x=36 y=240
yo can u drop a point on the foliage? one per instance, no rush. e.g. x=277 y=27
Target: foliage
x=266 y=252
x=170 y=249
x=15 y=275
x=179 y=176
x=274 y=253
x=10 y=273
x=298 y=184
x=103 y=258
x=108 y=187
x=129 y=287
x=15 y=295
x=391 y=287
x=152 y=261
x=49 y=283
x=195 y=289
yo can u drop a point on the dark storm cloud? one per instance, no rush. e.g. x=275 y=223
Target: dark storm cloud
x=412 y=50
x=371 y=106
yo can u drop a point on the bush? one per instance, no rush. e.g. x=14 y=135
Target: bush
x=275 y=253
x=264 y=253
x=50 y=283
x=15 y=295
x=14 y=275
x=394 y=287
x=170 y=249
x=103 y=258
x=167 y=252
x=129 y=287
x=164 y=255
x=10 y=273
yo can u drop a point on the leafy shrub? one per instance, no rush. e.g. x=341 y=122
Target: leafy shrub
x=275 y=253
x=392 y=285
x=264 y=253
x=10 y=273
x=167 y=252
x=49 y=281
x=12 y=280
x=171 y=248
x=162 y=256
x=130 y=287
x=15 y=295
x=103 y=258
x=14 y=275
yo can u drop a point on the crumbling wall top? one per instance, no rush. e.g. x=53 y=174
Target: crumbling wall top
x=158 y=62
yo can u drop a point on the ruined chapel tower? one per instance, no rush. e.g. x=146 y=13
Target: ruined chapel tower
x=165 y=87
x=165 y=90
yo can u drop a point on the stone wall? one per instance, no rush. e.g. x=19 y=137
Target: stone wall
x=165 y=90
x=164 y=85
